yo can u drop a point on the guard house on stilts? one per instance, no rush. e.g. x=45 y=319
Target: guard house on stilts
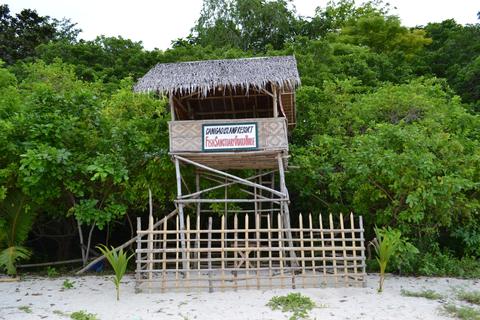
x=229 y=142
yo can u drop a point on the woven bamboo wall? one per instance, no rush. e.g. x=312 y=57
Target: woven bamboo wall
x=186 y=136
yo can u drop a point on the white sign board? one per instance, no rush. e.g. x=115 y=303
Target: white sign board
x=228 y=137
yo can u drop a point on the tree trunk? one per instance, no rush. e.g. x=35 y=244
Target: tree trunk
x=82 y=245
x=89 y=242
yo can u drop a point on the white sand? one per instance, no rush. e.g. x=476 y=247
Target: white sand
x=95 y=294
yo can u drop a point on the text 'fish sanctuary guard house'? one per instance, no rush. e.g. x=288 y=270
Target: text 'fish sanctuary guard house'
x=232 y=229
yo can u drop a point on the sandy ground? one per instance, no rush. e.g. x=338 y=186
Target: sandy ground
x=95 y=294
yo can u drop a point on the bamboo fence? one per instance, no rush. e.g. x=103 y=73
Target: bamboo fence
x=232 y=253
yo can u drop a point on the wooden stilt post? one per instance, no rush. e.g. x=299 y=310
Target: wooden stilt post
x=209 y=254
x=164 y=256
x=258 y=253
x=273 y=187
x=180 y=213
x=225 y=191
x=199 y=210
x=172 y=107
x=259 y=193
x=286 y=213
x=225 y=221
x=275 y=98
x=256 y=207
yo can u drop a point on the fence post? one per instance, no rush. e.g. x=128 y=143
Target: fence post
x=209 y=257
x=362 y=246
x=138 y=274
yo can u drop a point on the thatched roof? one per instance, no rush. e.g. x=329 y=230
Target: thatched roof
x=203 y=76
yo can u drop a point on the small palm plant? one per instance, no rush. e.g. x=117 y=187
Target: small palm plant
x=9 y=257
x=16 y=219
x=118 y=261
x=386 y=244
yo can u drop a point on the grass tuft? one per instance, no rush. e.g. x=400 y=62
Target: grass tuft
x=67 y=284
x=83 y=315
x=463 y=313
x=60 y=313
x=427 y=294
x=25 y=309
x=472 y=297
x=293 y=302
x=52 y=272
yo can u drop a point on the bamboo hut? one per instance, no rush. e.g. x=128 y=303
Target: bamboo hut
x=254 y=90
x=230 y=122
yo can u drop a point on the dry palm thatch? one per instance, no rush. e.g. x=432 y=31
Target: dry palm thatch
x=184 y=78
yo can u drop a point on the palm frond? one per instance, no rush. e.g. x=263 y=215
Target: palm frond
x=386 y=244
x=18 y=218
x=10 y=256
x=118 y=261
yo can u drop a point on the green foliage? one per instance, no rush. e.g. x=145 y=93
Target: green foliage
x=83 y=315
x=386 y=244
x=22 y=33
x=338 y=14
x=9 y=257
x=86 y=211
x=427 y=294
x=106 y=59
x=470 y=297
x=464 y=312
x=453 y=55
x=119 y=262
x=403 y=261
x=67 y=284
x=384 y=34
x=245 y=24
x=445 y=265
x=293 y=302
x=405 y=252
x=468 y=237
x=60 y=313
x=377 y=133
x=16 y=219
x=52 y=272
x=404 y=155
x=70 y=149
x=26 y=309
